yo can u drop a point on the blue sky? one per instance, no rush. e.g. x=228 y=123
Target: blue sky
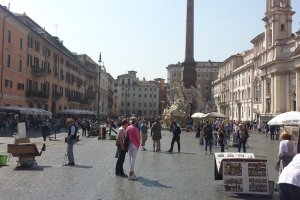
x=147 y=35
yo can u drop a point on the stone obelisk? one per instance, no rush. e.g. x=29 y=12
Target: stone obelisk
x=189 y=75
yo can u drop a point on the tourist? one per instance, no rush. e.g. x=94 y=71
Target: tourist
x=156 y=135
x=221 y=136
x=242 y=137
x=144 y=131
x=289 y=180
x=134 y=143
x=287 y=148
x=272 y=131
x=45 y=129
x=208 y=135
x=121 y=149
x=72 y=131
x=84 y=127
x=175 y=128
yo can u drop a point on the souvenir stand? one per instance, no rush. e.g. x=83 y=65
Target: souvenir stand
x=243 y=173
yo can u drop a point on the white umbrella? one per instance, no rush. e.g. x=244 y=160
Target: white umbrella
x=215 y=115
x=14 y=108
x=76 y=112
x=287 y=118
x=38 y=111
x=198 y=115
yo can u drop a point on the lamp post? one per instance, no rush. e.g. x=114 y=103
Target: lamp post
x=99 y=88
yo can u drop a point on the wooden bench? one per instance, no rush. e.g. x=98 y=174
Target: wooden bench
x=26 y=152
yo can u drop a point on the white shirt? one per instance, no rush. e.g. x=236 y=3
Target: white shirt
x=283 y=147
x=291 y=173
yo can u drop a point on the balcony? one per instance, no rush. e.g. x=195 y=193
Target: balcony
x=37 y=94
x=40 y=72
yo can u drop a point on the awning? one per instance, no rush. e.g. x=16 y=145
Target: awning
x=76 y=112
x=26 y=110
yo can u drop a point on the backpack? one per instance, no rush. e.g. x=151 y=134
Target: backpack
x=126 y=142
x=207 y=131
x=143 y=128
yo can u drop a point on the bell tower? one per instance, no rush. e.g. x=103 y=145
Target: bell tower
x=278 y=21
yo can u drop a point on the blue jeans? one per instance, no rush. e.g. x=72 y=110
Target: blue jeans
x=222 y=146
x=208 y=142
x=71 y=143
x=120 y=162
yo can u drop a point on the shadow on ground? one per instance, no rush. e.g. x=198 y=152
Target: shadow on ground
x=151 y=183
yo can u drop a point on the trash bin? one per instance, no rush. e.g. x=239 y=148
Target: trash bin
x=102 y=133
x=3 y=160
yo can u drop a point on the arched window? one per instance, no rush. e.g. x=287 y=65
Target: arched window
x=257 y=87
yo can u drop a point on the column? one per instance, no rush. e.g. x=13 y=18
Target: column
x=279 y=94
x=297 y=89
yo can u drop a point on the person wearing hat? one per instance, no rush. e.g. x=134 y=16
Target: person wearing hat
x=72 y=131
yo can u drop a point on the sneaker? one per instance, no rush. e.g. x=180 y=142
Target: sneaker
x=170 y=151
x=132 y=177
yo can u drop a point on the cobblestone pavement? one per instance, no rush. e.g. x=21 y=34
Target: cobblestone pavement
x=188 y=175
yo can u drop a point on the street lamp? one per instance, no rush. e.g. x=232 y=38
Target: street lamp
x=99 y=88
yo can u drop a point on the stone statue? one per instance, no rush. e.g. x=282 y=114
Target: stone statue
x=181 y=107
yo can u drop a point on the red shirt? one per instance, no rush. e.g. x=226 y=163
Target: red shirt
x=134 y=135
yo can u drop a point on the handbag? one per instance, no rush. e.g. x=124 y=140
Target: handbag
x=277 y=165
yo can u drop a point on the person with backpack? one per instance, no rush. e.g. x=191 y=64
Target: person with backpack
x=134 y=144
x=175 y=128
x=72 y=131
x=208 y=135
x=121 y=148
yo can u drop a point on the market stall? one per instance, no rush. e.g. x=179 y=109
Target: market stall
x=242 y=173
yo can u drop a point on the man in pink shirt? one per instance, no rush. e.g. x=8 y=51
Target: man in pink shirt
x=134 y=143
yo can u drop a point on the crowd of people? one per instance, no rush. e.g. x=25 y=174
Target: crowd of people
x=218 y=133
x=132 y=133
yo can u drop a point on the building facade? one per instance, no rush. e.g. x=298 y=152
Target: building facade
x=262 y=82
x=37 y=70
x=136 y=97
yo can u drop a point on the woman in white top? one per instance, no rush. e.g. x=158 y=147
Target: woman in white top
x=287 y=149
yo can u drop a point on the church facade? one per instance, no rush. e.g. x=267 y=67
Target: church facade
x=262 y=82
